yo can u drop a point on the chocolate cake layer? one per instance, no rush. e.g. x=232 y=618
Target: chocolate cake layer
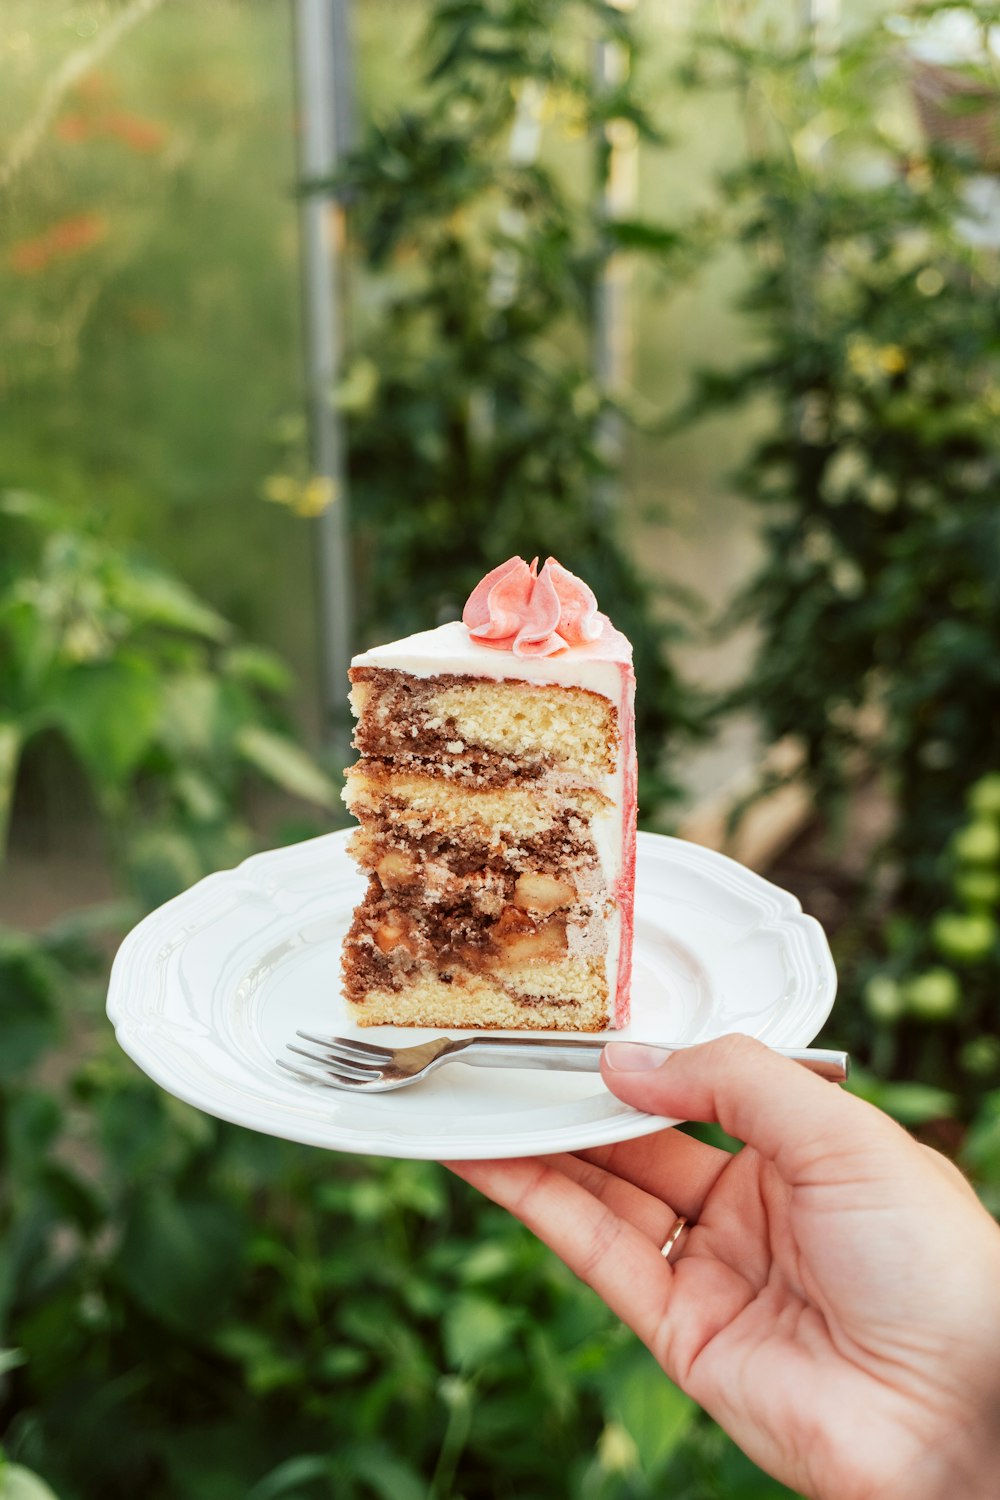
x=565 y=845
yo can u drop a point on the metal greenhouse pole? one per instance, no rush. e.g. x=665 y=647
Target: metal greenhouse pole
x=612 y=332
x=820 y=20
x=324 y=84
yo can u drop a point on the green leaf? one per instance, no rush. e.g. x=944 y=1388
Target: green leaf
x=32 y=1122
x=25 y=506
x=981 y=1148
x=180 y=1259
x=28 y=1015
x=258 y=668
x=109 y=712
x=387 y=1475
x=74 y=1200
x=153 y=598
x=285 y=764
x=652 y=1410
x=19 y=1483
x=200 y=798
x=288 y=1476
x=475 y=1330
x=162 y=862
x=640 y=234
x=194 y=720
x=909 y=1103
x=133 y=1127
x=11 y=1359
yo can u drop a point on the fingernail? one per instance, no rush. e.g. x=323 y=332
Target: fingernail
x=634 y=1057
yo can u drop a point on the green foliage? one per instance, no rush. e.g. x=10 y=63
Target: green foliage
x=19 y=1483
x=877 y=470
x=476 y=429
x=934 y=998
x=166 y=711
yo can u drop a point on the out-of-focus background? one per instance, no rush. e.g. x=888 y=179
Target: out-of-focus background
x=309 y=315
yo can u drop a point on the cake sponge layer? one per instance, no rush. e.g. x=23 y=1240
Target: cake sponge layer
x=481 y=728
x=569 y=996
x=572 y=728
x=430 y=801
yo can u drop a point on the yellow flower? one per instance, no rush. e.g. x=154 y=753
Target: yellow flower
x=317 y=494
x=930 y=281
x=892 y=359
x=862 y=358
x=616 y=1450
x=868 y=360
x=281 y=489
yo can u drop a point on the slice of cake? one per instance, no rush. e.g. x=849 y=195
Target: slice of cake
x=496 y=793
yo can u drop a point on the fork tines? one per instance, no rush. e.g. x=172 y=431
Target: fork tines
x=341 y=1060
x=347 y=1046
x=340 y=1067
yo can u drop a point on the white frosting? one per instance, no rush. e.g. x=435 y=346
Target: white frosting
x=450 y=649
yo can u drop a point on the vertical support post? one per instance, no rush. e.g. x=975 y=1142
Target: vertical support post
x=617 y=185
x=323 y=78
x=820 y=22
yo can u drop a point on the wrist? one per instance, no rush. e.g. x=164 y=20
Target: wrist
x=966 y=1466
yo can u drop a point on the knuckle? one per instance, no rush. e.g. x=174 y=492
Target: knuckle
x=605 y=1232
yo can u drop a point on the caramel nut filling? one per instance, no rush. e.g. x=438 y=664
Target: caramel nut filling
x=542 y=893
x=393 y=933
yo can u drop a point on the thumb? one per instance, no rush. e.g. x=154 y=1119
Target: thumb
x=787 y=1114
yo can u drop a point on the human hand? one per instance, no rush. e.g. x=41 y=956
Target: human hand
x=835 y=1301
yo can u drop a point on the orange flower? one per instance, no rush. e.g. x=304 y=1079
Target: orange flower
x=61 y=240
x=93 y=86
x=146 y=317
x=76 y=233
x=136 y=132
x=29 y=256
x=74 y=128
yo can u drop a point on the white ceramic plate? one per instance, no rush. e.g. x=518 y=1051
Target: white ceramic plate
x=206 y=991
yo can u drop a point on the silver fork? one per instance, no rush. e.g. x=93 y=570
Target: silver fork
x=364 y=1068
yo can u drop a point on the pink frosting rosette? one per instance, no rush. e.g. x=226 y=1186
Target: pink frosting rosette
x=516 y=608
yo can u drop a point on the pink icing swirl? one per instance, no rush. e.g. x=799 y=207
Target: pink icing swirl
x=516 y=608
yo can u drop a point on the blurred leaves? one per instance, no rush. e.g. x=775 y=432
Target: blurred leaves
x=180 y=1258
x=942 y=978
x=28 y=1018
x=164 y=710
x=876 y=365
x=653 y=1412
x=19 y=1483
x=285 y=764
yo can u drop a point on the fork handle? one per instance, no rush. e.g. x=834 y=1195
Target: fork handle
x=575 y=1056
